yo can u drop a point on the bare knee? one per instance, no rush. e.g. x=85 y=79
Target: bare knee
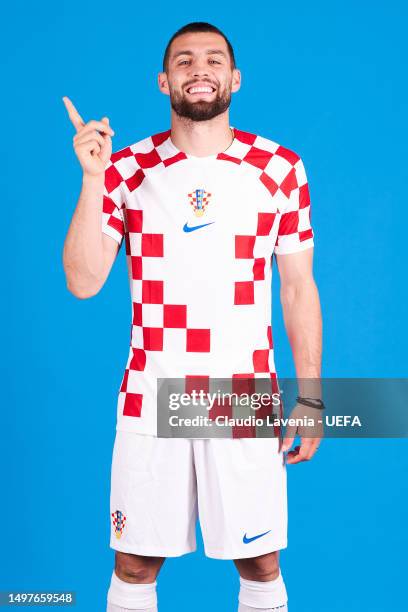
x=137 y=568
x=262 y=568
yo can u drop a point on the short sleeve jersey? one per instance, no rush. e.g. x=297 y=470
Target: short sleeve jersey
x=200 y=234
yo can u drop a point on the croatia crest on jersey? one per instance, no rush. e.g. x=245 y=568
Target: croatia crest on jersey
x=199 y=200
x=118 y=521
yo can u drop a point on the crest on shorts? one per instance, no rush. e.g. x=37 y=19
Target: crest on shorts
x=118 y=521
x=199 y=200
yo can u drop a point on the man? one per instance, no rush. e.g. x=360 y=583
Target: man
x=202 y=208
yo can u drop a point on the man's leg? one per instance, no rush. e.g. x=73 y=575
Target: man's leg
x=133 y=583
x=153 y=511
x=243 y=513
x=261 y=584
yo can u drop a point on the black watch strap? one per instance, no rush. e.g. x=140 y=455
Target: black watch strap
x=311 y=402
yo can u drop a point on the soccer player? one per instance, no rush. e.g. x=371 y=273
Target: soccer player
x=202 y=208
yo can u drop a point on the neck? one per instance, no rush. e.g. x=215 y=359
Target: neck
x=201 y=138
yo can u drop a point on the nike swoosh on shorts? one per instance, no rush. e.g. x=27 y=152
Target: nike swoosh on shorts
x=247 y=540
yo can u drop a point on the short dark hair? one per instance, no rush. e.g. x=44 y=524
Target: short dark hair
x=197 y=26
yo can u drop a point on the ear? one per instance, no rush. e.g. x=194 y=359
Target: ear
x=163 y=83
x=236 y=80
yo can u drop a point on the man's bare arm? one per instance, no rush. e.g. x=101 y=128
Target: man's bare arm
x=301 y=311
x=89 y=254
x=303 y=323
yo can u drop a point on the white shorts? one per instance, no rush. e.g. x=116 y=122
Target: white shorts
x=160 y=486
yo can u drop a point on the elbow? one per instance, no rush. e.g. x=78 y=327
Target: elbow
x=288 y=295
x=85 y=275
x=80 y=286
x=82 y=293
x=299 y=295
x=291 y=289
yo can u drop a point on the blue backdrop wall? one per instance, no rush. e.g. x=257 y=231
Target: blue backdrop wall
x=323 y=79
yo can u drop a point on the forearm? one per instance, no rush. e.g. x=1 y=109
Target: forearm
x=303 y=323
x=83 y=255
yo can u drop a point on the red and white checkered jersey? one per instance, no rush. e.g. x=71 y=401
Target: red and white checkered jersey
x=200 y=234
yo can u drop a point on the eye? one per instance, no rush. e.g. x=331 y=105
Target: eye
x=183 y=62
x=215 y=61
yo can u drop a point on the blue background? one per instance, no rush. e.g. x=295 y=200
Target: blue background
x=325 y=80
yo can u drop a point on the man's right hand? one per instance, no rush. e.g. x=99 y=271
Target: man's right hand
x=92 y=141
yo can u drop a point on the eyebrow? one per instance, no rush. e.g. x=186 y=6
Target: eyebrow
x=209 y=52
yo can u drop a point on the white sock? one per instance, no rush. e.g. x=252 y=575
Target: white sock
x=266 y=596
x=112 y=608
x=124 y=596
x=244 y=608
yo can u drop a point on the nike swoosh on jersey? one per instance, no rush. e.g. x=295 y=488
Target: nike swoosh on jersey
x=247 y=540
x=187 y=228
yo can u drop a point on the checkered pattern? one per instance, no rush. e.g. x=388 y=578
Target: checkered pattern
x=243 y=383
x=151 y=315
x=201 y=300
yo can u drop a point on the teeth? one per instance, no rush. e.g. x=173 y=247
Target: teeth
x=200 y=90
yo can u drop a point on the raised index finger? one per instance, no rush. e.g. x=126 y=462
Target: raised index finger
x=73 y=114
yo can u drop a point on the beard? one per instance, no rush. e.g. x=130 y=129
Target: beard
x=201 y=110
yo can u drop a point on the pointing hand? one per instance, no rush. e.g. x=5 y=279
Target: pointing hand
x=92 y=141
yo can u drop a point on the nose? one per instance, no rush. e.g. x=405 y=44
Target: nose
x=200 y=68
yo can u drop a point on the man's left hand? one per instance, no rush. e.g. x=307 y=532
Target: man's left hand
x=310 y=435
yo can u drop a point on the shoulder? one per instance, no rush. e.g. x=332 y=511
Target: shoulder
x=282 y=167
x=144 y=145
x=126 y=164
x=282 y=156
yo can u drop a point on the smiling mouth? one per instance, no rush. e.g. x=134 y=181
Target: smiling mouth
x=200 y=89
